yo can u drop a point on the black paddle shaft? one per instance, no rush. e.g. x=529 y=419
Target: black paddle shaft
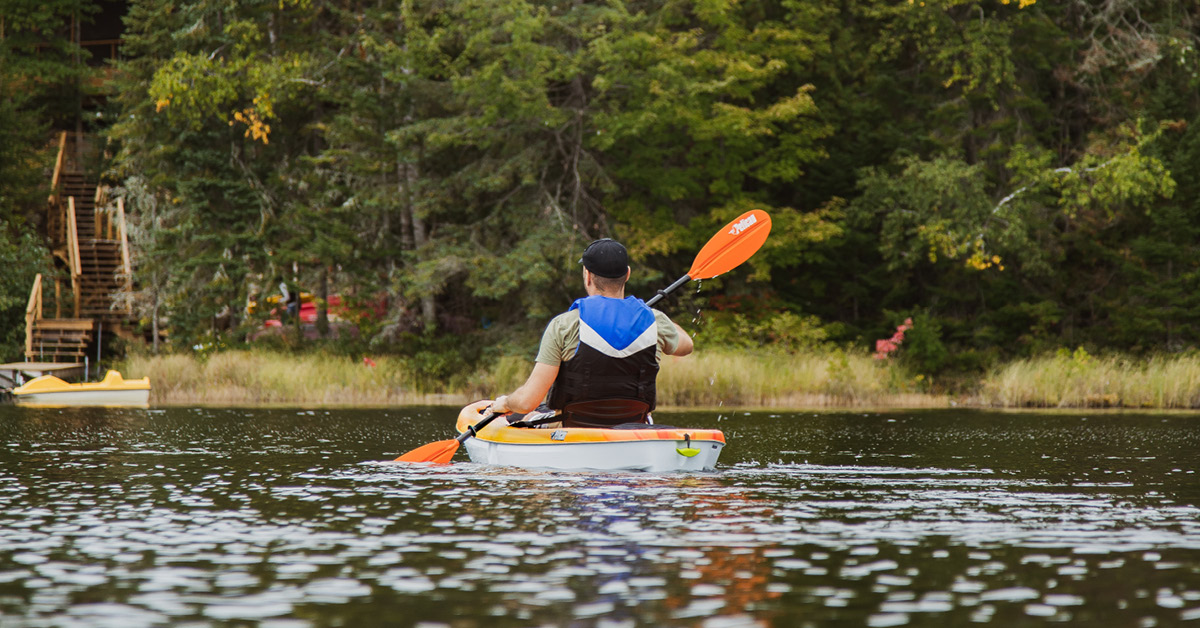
x=668 y=290
x=472 y=429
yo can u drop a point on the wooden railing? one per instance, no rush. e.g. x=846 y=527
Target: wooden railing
x=126 y=266
x=111 y=225
x=107 y=227
x=103 y=215
x=73 y=252
x=33 y=313
x=55 y=224
x=58 y=166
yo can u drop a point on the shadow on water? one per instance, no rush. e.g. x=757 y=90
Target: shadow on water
x=229 y=517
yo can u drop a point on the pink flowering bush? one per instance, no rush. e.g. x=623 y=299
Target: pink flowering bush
x=886 y=346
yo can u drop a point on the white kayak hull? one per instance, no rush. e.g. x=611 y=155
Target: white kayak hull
x=654 y=448
x=656 y=456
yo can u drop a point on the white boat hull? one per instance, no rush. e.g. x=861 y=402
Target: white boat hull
x=655 y=456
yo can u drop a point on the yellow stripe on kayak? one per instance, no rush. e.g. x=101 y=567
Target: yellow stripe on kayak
x=499 y=432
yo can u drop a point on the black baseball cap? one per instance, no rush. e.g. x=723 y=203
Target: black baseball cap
x=606 y=257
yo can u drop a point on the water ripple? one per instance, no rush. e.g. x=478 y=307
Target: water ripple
x=233 y=517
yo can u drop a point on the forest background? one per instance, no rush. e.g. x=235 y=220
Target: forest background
x=1018 y=178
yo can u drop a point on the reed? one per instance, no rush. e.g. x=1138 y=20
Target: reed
x=1080 y=380
x=500 y=376
x=265 y=378
x=706 y=379
x=779 y=379
x=749 y=378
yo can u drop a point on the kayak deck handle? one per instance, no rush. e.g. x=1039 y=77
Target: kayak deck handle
x=687 y=450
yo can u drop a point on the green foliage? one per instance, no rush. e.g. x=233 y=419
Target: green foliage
x=929 y=210
x=840 y=381
x=749 y=322
x=923 y=346
x=1020 y=174
x=439 y=363
x=42 y=79
x=22 y=256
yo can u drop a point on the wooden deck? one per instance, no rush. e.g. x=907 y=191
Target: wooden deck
x=14 y=374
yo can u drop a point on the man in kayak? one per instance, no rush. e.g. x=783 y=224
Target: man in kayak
x=599 y=360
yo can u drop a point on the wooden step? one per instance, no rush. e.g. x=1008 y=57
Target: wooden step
x=101 y=266
x=60 y=335
x=64 y=324
x=51 y=346
x=57 y=342
x=58 y=338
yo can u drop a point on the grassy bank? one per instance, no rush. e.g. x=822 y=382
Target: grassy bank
x=258 y=378
x=803 y=380
x=1080 y=380
x=739 y=379
x=708 y=379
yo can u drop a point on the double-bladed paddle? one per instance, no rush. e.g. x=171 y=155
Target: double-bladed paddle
x=735 y=243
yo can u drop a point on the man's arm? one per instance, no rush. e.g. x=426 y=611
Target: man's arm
x=684 y=346
x=533 y=391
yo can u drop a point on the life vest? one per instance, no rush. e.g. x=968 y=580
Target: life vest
x=616 y=359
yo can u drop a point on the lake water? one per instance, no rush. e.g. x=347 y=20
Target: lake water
x=290 y=518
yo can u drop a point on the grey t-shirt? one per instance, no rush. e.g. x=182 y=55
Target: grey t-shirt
x=561 y=337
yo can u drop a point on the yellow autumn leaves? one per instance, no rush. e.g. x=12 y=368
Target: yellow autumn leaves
x=253 y=117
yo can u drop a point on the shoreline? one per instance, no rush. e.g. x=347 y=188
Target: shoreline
x=452 y=405
x=814 y=380
x=801 y=403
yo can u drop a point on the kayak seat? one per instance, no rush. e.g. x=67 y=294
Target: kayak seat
x=605 y=413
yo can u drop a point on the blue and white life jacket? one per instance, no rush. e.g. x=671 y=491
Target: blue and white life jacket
x=616 y=357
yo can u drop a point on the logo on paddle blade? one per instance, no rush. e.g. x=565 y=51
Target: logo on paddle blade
x=743 y=225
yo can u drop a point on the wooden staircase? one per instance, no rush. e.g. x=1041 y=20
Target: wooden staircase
x=100 y=262
x=90 y=241
x=61 y=340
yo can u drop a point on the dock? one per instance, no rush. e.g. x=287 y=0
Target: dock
x=14 y=374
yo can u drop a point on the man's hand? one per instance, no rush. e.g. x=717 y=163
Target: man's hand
x=527 y=397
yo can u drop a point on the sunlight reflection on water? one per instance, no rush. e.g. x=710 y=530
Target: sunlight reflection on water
x=137 y=518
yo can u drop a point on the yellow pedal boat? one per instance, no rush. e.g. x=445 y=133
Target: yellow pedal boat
x=113 y=390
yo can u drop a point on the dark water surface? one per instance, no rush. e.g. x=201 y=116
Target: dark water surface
x=286 y=518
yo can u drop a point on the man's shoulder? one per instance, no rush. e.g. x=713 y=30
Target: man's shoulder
x=563 y=323
x=566 y=318
x=661 y=317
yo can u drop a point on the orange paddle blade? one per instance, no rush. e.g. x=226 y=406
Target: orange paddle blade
x=440 y=452
x=732 y=245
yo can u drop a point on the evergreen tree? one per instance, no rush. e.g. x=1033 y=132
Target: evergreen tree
x=42 y=72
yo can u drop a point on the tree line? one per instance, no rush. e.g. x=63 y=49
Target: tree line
x=1015 y=176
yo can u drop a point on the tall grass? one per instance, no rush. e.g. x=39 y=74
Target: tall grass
x=260 y=377
x=744 y=379
x=1079 y=380
x=766 y=379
